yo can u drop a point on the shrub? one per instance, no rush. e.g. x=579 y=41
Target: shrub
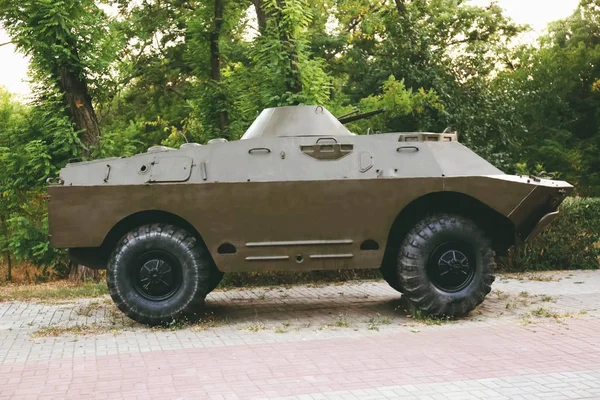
x=571 y=242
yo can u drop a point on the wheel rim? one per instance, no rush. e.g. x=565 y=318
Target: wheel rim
x=451 y=267
x=156 y=275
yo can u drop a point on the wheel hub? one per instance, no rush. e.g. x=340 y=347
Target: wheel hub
x=454 y=262
x=451 y=266
x=157 y=276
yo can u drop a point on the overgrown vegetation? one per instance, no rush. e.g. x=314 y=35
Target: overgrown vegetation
x=113 y=77
x=572 y=242
x=52 y=292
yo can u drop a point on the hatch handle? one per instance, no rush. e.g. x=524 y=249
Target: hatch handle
x=259 y=150
x=415 y=148
x=107 y=173
x=327 y=138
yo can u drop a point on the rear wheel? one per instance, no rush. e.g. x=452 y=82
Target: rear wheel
x=446 y=265
x=159 y=273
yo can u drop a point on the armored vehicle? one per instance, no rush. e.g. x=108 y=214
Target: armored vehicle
x=300 y=192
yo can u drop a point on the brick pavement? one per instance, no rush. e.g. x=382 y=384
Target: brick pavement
x=530 y=339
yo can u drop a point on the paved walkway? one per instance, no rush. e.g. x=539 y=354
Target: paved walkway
x=536 y=336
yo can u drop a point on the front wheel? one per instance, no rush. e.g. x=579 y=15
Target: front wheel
x=158 y=273
x=446 y=266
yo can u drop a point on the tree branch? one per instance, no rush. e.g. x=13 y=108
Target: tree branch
x=356 y=20
x=5 y=43
x=401 y=7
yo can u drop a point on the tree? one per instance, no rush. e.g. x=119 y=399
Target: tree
x=65 y=40
x=34 y=143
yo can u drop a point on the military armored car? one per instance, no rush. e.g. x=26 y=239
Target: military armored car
x=298 y=192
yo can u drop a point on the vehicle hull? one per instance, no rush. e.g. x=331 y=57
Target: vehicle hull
x=290 y=225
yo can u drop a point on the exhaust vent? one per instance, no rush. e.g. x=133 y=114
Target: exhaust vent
x=189 y=145
x=156 y=149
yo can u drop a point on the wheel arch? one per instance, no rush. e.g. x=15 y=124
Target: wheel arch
x=499 y=229
x=97 y=257
x=146 y=217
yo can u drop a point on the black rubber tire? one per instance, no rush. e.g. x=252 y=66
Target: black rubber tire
x=422 y=242
x=193 y=264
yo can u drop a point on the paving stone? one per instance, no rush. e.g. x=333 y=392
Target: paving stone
x=350 y=341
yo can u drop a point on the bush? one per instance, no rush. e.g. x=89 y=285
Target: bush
x=571 y=242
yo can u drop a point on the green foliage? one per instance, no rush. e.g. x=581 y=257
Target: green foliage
x=34 y=144
x=406 y=110
x=282 y=64
x=149 y=68
x=572 y=242
x=74 y=34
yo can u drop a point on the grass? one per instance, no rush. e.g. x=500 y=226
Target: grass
x=77 y=330
x=547 y=299
x=516 y=303
x=255 y=327
x=374 y=322
x=423 y=318
x=500 y=294
x=283 y=328
x=543 y=312
x=342 y=321
x=52 y=292
x=87 y=310
x=211 y=321
x=533 y=276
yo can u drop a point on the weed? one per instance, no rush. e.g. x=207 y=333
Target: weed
x=52 y=292
x=374 y=322
x=284 y=328
x=524 y=294
x=255 y=327
x=86 y=310
x=533 y=276
x=342 y=321
x=514 y=303
x=78 y=330
x=542 y=312
x=541 y=277
x=210 y=321
x=547 y=299
x=501 y=295
x=426 y=319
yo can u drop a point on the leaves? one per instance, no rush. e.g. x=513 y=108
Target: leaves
x=152 y=77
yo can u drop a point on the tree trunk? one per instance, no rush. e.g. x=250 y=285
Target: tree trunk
x=215 y=61
x=261 y=16
x=7 y=251
x=82 y=273
x=9 y=266
x=401 y=7
x=79 y=102
x=77 y=97
x=293 y=82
